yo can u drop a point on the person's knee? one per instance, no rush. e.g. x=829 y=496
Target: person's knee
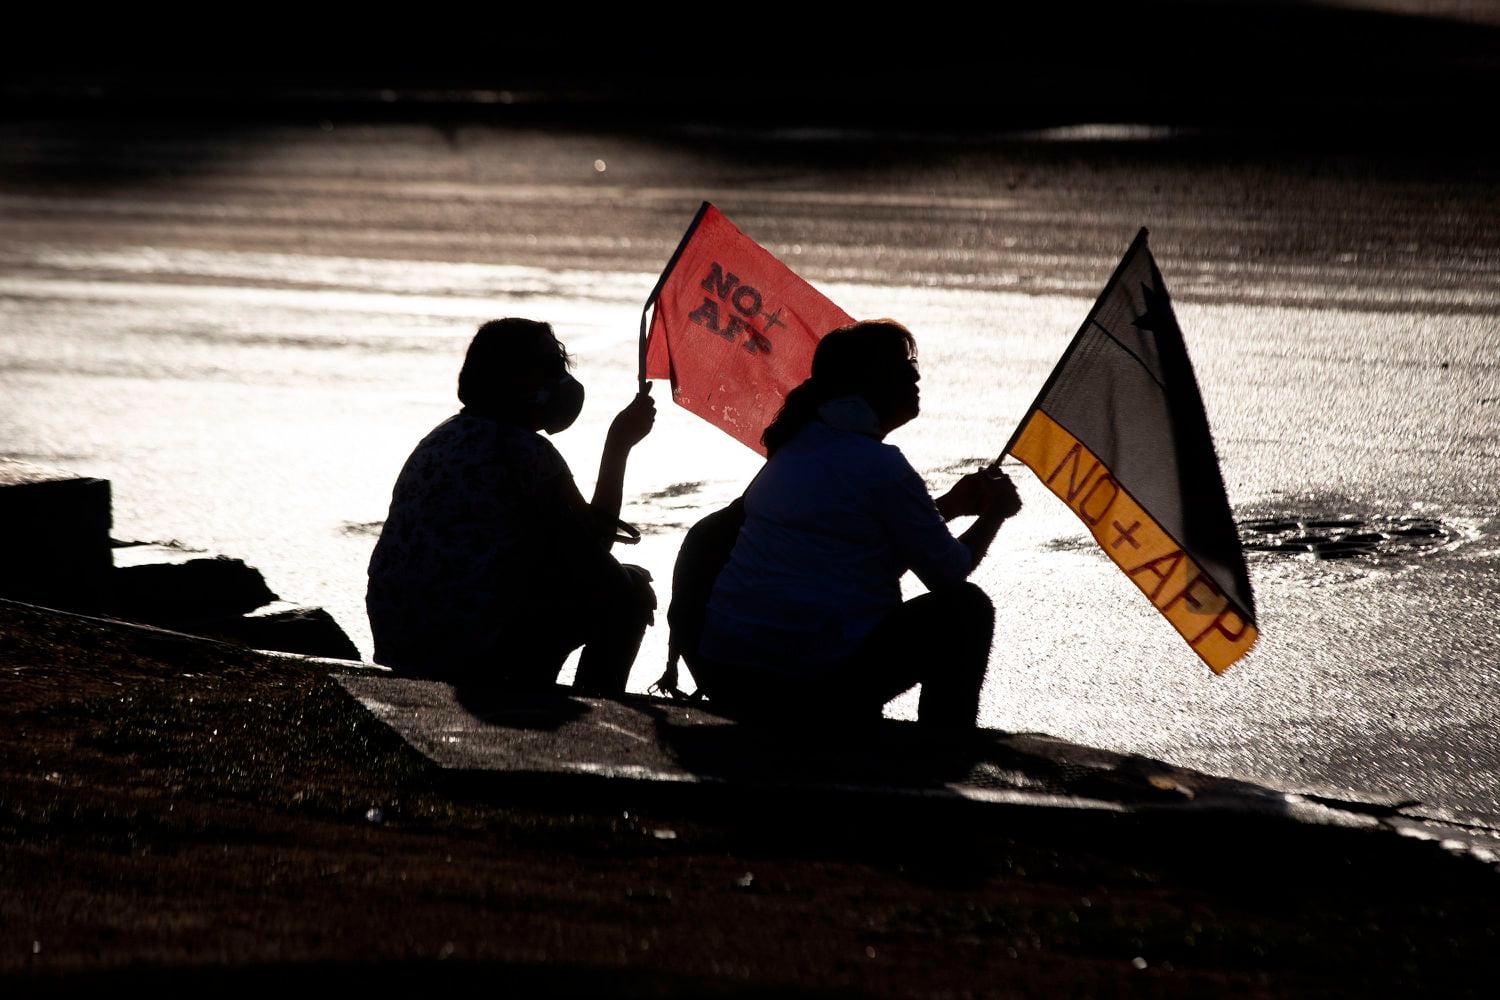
x=632 y=589
x=965 y=603
x=638 y=599
x=616 y=597
x=972 y=595
x=968 y=622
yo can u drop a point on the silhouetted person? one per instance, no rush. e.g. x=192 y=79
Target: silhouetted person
x=807 y=616
x=491 y=567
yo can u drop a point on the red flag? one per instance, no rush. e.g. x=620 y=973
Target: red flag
x=734 y=328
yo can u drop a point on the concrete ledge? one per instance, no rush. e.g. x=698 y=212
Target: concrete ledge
x=548 y=740
x=589 y=752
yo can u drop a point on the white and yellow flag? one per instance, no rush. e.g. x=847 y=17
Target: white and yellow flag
x=1120 y=435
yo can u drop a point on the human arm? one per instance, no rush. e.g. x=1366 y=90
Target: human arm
x=990 y=497
x=999 y=502
x=629 y=428
x=915 y=522
x=969 y=496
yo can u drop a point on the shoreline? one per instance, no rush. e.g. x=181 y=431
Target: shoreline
x=186 y=813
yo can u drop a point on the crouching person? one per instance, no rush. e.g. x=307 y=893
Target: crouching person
x=806 y=615
x=491 y=567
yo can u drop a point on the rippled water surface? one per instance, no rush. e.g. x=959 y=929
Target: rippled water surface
x=248 y=332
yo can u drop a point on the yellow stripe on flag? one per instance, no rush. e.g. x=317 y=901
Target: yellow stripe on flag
x=1168 y=576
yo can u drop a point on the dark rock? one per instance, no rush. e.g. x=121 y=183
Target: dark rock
x=59 y=555
x=179 y=594
x=57 y=548
x=287 y=629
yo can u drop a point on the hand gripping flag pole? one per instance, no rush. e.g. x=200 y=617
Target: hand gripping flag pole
x=666 y=273
x=1119 y=433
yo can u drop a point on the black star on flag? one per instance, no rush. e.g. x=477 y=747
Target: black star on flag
x=1158 y=315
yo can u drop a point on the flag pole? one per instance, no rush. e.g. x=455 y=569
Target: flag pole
x=671 y=263
x=1139 y=241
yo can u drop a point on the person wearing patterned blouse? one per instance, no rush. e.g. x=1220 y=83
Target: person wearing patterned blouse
x=491 y=567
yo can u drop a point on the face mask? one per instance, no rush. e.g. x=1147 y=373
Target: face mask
x=558 y=405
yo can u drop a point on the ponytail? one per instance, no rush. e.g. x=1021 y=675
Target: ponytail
x=798 y=410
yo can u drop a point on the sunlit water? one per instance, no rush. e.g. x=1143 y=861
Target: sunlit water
x=270 y=422
x=260 y=404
